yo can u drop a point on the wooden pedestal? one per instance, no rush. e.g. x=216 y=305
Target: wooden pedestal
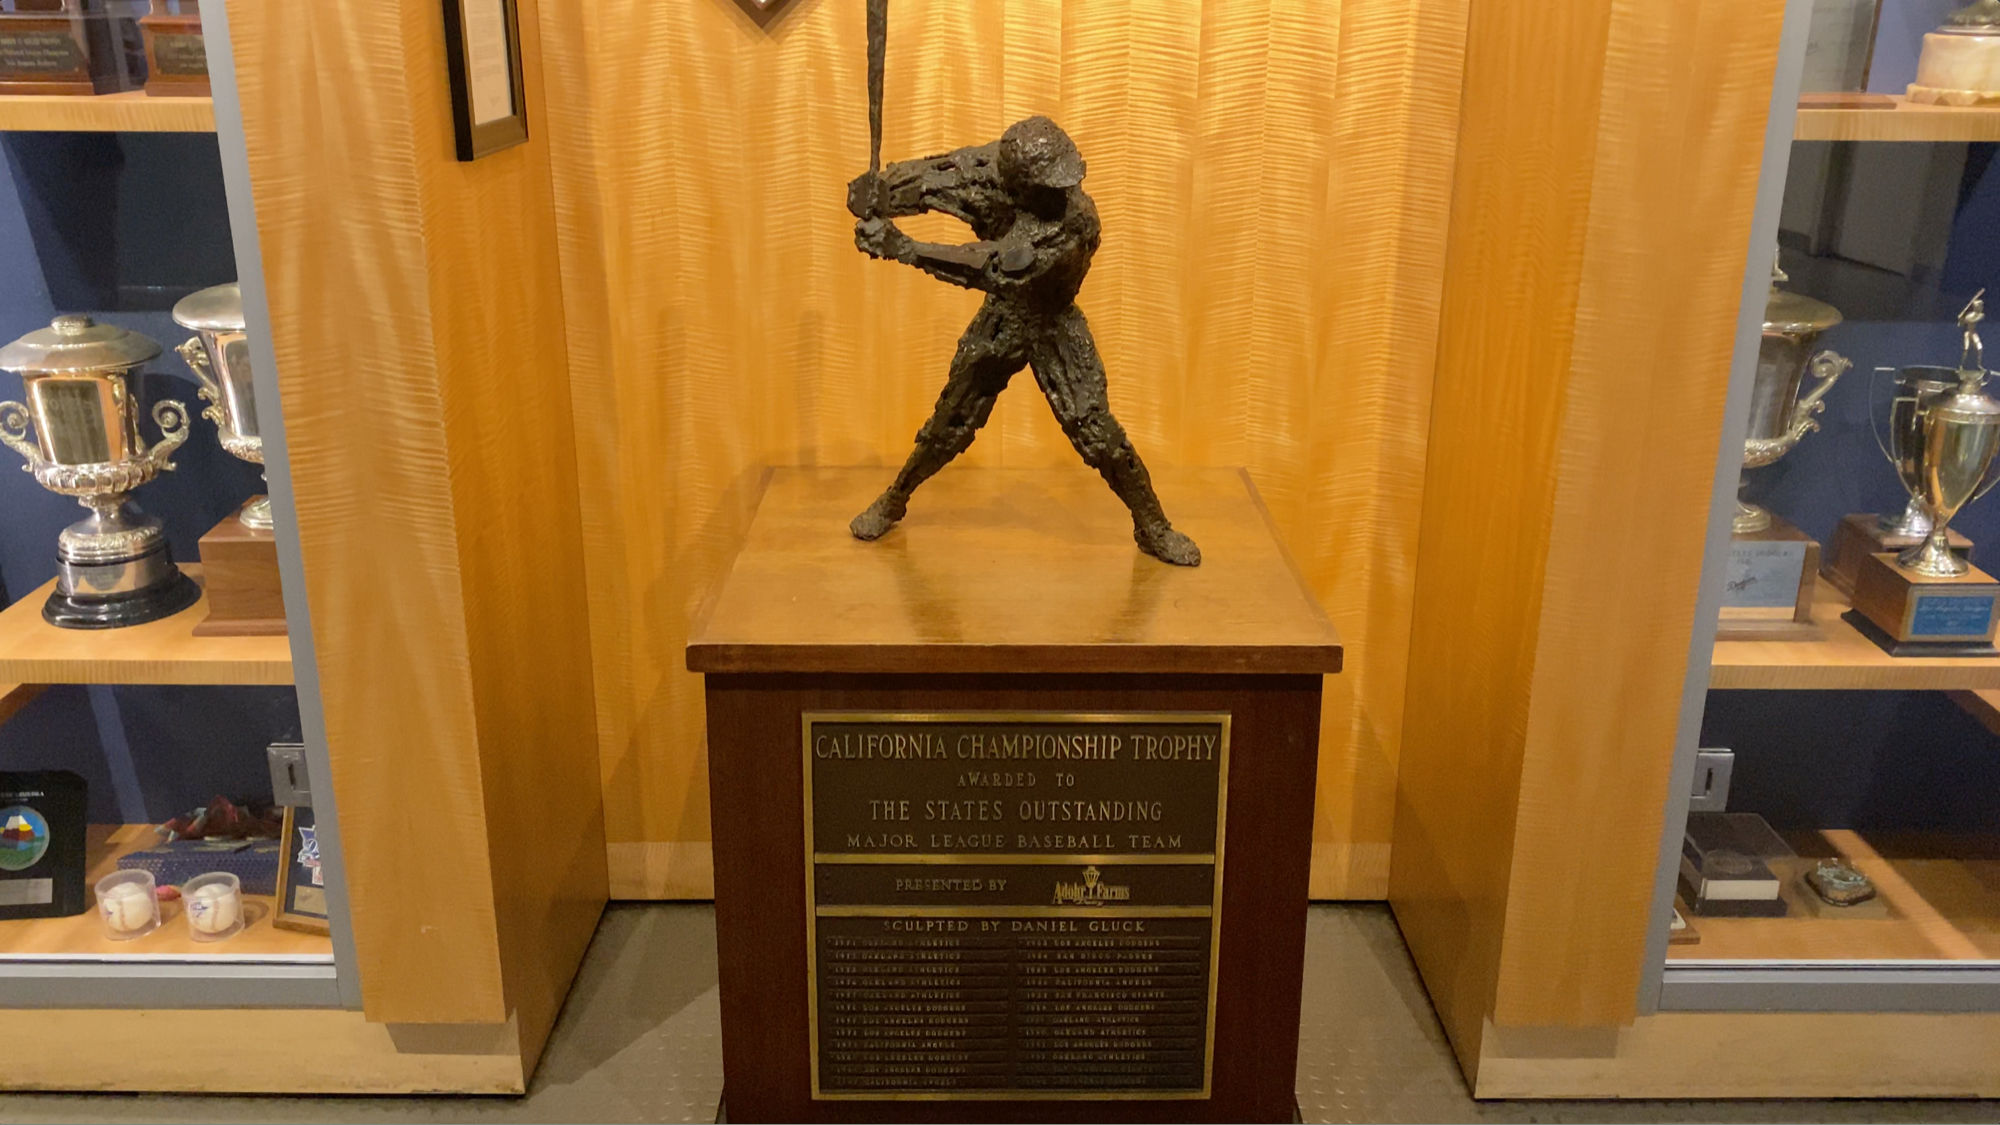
x=1909 y=614
x=1857 y=536
x=1768 y=594
x=884 y=721
x=241 y=569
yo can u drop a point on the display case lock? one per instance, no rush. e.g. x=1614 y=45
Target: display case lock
x=1712 y=769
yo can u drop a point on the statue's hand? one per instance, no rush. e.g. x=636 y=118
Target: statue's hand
x=879 y=238
x=862 y=192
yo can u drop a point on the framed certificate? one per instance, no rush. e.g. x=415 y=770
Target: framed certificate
x=301 y=879
x=482 y=41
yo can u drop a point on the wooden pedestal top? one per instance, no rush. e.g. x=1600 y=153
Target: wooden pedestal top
x=1009 y=570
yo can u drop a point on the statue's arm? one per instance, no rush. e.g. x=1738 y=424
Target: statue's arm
x=947 y=182
x=969 y=265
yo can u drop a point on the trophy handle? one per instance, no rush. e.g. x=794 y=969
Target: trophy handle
x=14 y=431
x=1875 y=415
x=172 y=419
x=1827 y=367
x=196 y=357
x=1992 y=478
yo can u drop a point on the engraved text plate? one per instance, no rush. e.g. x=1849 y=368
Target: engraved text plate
x=1019 y=905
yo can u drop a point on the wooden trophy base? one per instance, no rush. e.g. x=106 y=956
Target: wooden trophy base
x=1860 y=535
x=1012 y=822
x=1910 y=614
x=240 y=570
x=176 y=55
x=1769 y=592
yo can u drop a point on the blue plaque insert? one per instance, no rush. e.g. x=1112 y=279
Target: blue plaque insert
x=1951 y=615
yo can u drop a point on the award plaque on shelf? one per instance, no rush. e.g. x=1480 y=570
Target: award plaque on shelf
x=60 y=47
x=1039 y=848
x=176 y=54
x=42 y=845
x=1769 y=591
x=302 y=902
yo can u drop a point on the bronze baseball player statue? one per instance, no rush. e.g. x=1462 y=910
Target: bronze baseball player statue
x=1036 y=232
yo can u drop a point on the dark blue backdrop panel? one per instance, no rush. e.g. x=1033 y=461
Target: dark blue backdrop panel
x=121 y=226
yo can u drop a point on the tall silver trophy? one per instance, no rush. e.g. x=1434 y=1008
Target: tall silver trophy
x=1779 y=414
x=113 y=566
x=1929 y=600
x=1899 y=434
x=1768 y=592
x=1961 y=435
x=219 y=355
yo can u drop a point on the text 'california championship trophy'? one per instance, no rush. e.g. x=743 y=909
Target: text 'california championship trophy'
x=1036 y=231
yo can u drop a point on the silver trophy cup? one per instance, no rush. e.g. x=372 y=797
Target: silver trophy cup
x=219 y=355
x=113 y=566
x=1916 y=389
x=1961 y=437
x=1779 y=414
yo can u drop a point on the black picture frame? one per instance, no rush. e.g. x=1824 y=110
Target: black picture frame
x=477 y=138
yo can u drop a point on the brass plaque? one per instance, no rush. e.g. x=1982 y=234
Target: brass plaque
x=1013 y=905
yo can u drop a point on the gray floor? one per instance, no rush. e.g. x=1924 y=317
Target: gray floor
x=637 y=1042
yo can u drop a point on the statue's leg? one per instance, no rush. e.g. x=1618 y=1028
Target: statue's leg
x=1071 y=374
x=988 y=356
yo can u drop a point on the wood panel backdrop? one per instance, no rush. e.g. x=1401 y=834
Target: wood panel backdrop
x=1274 y=181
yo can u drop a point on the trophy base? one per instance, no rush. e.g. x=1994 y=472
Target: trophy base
x=114 y=611
x=239 y=563
x=1894 y=647
x=1768 y=595
x=1910 y=614
x=1860 y=535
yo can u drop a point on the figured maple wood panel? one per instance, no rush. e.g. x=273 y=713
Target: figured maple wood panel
x=417 y=312
x=1567 y=488
x=1272 y=177
x=1685 y=99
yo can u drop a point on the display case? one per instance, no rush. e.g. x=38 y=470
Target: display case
x=403 y=854
x=1854 y=764
x=1697 y=795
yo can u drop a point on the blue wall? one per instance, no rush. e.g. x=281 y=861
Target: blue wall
x=120 y=226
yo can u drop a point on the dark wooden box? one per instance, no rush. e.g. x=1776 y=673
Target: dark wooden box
x=1009 y=591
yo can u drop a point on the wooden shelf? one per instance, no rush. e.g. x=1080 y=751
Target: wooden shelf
x=1940 y=902
x=131 y=112
x=159 y=652
x=1842 y=659
x=1906 y=122
x=81 y=936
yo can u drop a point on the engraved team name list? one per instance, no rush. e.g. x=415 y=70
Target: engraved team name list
x=1020 y=905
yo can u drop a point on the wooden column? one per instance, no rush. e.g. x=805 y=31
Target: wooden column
x=418 y=322
x=1606 y=171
